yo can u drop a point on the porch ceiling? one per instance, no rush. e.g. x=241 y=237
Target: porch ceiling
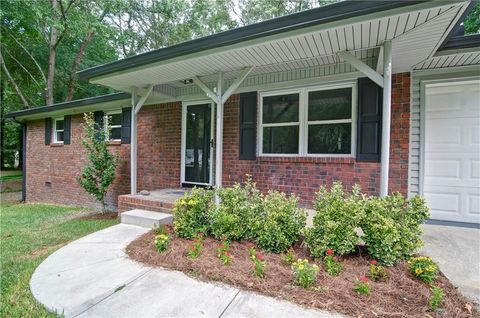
x=416 y=32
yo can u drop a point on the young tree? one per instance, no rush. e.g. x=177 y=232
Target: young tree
x=99 y=171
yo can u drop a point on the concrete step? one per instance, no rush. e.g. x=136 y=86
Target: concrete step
x=144 y=218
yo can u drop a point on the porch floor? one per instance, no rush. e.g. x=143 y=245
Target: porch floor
x=160 y=200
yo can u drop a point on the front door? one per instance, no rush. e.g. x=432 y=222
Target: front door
x=197 y=140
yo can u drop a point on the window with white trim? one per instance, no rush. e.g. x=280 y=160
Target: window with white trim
x=58 y=130
x=113 y=122
x=316 y=121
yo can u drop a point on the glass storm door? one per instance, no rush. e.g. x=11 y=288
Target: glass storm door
x=198 y=134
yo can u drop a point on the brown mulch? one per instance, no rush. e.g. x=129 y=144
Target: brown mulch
x=100 y=216
x=400 y=295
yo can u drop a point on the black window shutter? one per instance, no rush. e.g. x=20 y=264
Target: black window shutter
x=369 y=120
x=248 y=126
x=126 y=124
x=67 y=120
x=48 y=131
x=98 y=117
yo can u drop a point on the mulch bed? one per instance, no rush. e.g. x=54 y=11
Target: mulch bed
x=400 y=295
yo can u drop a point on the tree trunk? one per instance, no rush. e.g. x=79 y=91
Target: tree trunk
x=78 y=58
x=52 y=56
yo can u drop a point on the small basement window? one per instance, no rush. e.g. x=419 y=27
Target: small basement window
x=58 y=130
x=113 y=122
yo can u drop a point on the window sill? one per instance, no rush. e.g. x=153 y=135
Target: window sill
x=115 y=143
x=56 y=144
x=303 y=159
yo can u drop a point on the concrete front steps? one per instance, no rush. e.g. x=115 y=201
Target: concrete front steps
x=145 y=218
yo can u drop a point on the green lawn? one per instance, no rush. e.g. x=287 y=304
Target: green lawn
x=28 y=234
x=10 y=175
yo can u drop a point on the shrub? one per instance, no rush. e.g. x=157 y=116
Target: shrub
x=335 y=223
x=332 y=266
x=423 y=268
x=232 y=218
x=362 y=287
x=258 y=260
x=195 y=248
x=391 y=227
x=305 y=273
x=436 y=298
x=279 y=222
x=377 y=272
x=191 y=213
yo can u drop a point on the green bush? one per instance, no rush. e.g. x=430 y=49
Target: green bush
x=232 y=218
x=391 y=227
x=192 y=213
x=335 y=223
x=279 y=222
x=424 y=268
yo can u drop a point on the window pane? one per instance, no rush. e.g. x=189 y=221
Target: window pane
x=280 y=139
x=115 y=119
x=280 y=109
x=329 y=139
x=59 y=135
x=330 y=104
x=115 y=133
x=59 y=124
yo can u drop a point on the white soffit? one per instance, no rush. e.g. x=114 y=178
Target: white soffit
x=415 y=36
x=451 y=60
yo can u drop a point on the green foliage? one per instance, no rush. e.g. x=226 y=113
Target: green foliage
x=336 y=221
x=391 y=227
x=362 y=287
x=259 y=264
x=289 y=256
x=161 y=242
x=436 y=298
x=191 y=213
x=423 y=268
x=279 y=222
x=196 y=247
x=99 y=171
x=472 y=21
x=377 y=272
x=305 y=273
x=232 y=217
x=223 y=253
x=332 y=266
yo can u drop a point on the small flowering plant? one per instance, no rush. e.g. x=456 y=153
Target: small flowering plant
x=423 y=268
x=223 y=253
x=377 y=272
x=162 y=239
x=196 y=246
x=304 y=272
x=362 y=287
x=259 y=264
x=436 y=298
x=332 y=266
x=289 y=257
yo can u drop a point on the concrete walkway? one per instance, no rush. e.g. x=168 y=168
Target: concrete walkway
x=457 y=252
x=93 y=277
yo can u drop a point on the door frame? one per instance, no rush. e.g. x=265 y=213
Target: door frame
x=185 y=105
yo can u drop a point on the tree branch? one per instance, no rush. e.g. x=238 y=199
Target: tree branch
x=23 y=67
x=12 y=81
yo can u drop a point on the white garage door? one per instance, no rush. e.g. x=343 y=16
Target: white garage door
x=451 y=183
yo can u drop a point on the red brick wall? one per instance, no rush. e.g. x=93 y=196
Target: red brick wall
x=159 y=142
x=303 y=176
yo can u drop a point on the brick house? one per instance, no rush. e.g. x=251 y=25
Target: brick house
x=355 y=92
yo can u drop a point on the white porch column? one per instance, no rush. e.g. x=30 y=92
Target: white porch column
x=386 y=117
x=219 y=133
x=133 y=145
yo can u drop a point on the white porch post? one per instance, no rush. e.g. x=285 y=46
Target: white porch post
x=133 y=145
x=386 y=117
x=136 y=106
x=219 y=136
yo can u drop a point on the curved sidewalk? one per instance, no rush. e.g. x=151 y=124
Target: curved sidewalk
x=93 y=277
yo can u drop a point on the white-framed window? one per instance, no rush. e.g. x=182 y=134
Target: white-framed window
x=58 y=130
x=314 y=121
x=113 y=122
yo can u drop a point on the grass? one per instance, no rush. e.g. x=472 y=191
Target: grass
x=10 y=175
x=29 y=233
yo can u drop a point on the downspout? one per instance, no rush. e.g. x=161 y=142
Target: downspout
x=386 y=117
x=24 y=159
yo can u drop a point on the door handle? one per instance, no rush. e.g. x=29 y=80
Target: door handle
x=212 y=143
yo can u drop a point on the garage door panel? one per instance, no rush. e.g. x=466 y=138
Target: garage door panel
x=451 y=172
